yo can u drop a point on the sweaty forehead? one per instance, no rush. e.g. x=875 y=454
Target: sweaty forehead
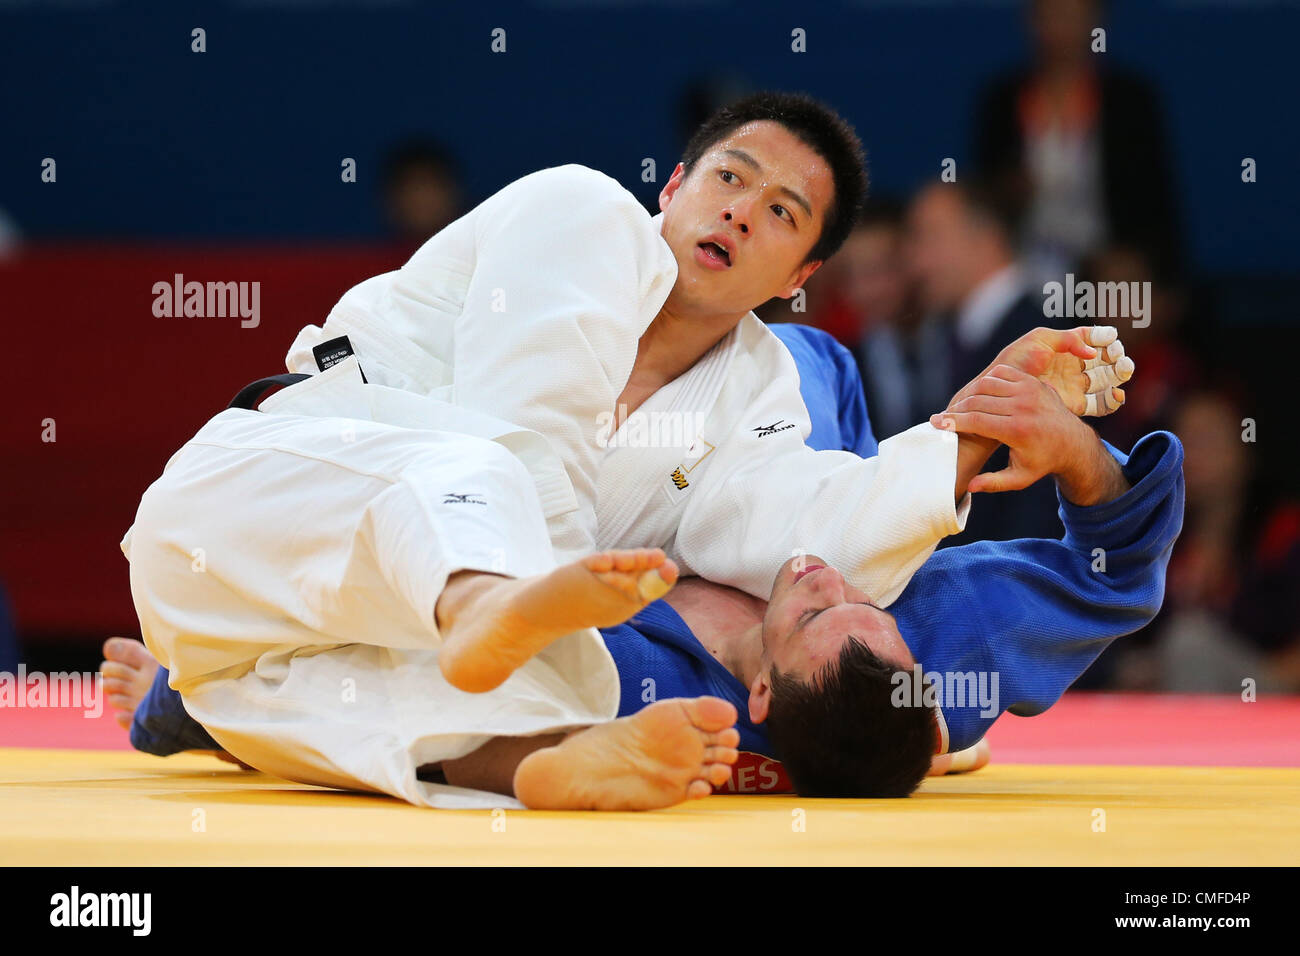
x=785 y=159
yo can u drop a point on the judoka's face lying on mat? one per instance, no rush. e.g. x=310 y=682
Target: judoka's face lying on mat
x=761 y=194
x=813 y=611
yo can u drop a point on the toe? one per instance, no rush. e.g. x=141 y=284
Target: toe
x=126 y=651
x=651 y=586
x=698 y=790
x=711 y=714
x=599 y=562
x=724 y=755
x=718 y=774
x=113 y=670
x=667 y=570
x=724 y=738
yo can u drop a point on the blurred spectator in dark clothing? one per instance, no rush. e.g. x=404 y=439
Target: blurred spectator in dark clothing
x=893 y=341
x=1232 y=604
x=10 y=235
x=8 y=636
x=1166 y=366
x=1081 y=144
x=422 y=190
x=960 y=251
x=1267 y=604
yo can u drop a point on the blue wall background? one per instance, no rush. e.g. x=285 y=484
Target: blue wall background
x=155 y=142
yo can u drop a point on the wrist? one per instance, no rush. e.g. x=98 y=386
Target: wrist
x=973 y=452
x=1090 y=475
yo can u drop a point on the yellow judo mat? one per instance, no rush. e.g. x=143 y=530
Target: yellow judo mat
x=118 y=808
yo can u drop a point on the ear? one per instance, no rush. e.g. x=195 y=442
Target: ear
x=670 y=187
x=800 y=277
x=760 y=697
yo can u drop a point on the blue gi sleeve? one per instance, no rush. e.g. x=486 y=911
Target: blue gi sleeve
x=1026 y=618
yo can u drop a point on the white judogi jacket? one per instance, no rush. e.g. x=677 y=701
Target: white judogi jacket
x=526 y=309
x=529 y=309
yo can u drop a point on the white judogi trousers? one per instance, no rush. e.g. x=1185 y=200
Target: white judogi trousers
x=286 y=568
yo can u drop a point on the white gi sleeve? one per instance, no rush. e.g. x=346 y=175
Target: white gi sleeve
x=769 y=497
x=570 y=270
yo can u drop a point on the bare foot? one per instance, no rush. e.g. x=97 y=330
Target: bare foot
x=128 y=670
x=672 y=751
x=492 y=625
x=963 y=761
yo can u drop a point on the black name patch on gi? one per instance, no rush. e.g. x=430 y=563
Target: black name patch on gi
x=328 y=354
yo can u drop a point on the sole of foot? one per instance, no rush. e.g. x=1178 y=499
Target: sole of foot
x=510 y=620
x=672 y=751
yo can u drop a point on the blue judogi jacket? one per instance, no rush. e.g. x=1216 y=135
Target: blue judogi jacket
x=1035 y=612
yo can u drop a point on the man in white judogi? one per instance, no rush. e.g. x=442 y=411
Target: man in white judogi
x=313 y=641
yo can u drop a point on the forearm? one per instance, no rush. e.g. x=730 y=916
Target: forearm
x=1091 y=475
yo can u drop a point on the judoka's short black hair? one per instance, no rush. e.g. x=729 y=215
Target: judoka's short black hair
x=819 y=127
x=841 y=734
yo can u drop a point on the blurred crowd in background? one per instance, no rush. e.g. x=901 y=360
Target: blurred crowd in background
x=1072 y=174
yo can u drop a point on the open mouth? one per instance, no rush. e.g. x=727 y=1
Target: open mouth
x=716 y=253
x=808 y=570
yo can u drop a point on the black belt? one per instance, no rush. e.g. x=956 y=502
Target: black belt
x=327 y=354
x=251 y=394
